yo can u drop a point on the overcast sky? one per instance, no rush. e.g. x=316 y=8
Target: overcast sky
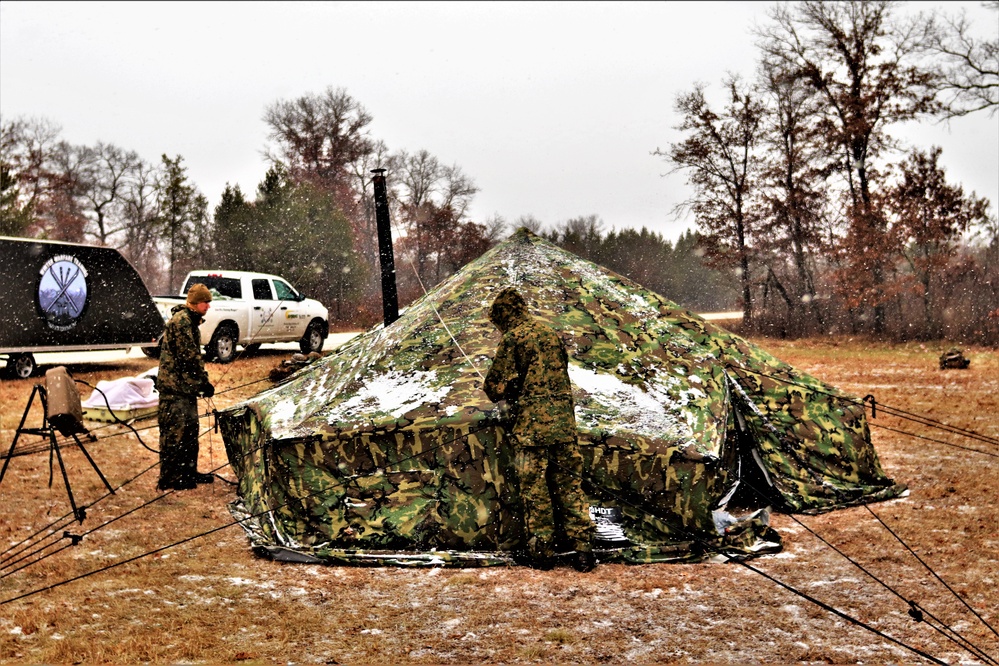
x=553 y=109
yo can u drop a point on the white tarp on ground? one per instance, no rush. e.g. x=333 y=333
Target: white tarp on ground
x=126 y=393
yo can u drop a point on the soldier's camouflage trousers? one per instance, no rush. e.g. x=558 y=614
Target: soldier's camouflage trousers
x=178 y=421
x=550 y=489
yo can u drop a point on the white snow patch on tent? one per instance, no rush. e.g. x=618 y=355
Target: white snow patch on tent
x=393 y=393
x=630 y=408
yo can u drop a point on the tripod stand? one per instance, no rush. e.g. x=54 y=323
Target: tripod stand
x=49 y=431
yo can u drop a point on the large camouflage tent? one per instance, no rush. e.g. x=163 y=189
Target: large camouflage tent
x=388 y=451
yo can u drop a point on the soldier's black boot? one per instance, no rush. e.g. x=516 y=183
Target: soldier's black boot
x=177 y=484
x=204 y=478
x=543 y=563
x=584 y=562
x=540 y=563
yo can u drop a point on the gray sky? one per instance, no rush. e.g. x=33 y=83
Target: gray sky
x=553 y=109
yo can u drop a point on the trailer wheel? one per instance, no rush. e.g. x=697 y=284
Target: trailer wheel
x=313 y=339
x=222 y=347
x=21 y=366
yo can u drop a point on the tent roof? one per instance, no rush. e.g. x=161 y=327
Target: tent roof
x=637 y=372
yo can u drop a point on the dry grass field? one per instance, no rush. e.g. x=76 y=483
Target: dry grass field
x=210 y=600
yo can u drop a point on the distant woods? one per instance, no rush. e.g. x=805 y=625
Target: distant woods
x=809 y=216
x=800 y=190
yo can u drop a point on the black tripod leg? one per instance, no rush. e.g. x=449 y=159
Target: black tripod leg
x=10 y=454
x=17 y=433
x=93 y=464
x=78 y=513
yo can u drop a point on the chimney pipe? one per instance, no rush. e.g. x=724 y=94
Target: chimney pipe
x=390 y=299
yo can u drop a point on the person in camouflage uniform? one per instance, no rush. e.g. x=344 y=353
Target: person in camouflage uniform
x=181 y=379
x=531 y=373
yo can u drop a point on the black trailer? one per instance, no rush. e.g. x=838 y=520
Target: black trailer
x=57 y=297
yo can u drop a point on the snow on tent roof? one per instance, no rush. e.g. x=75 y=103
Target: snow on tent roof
x=388 y=451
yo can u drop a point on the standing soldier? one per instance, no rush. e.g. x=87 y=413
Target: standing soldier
x=181 y=379
x=531 y=372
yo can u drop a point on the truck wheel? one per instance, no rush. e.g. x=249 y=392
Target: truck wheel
x=21 y=366
x=313 y=339
x=222 y=347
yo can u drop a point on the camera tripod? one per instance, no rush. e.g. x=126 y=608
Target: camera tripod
x=48 y=430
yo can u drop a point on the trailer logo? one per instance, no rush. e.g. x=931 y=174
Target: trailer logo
x=62 y=291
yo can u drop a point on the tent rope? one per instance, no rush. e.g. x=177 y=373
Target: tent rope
x=936 y=441
x=916 y=612
x=433 y=307
x=930 y=569
x=52 y=526
x=730 y=558
x=327 y=489
x=841 y=614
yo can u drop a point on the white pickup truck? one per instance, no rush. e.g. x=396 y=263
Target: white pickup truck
x=249 y=309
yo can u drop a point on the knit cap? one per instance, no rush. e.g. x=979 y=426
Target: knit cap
x=198 y=293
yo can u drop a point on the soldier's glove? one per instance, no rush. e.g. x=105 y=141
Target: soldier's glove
x=207 y=390
x=500 y=413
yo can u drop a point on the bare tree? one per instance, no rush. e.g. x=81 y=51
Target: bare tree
x=432 y=202
x=140 y=214
x=718 y=157
x=49 y=173
x=319 y=137
x=457 y=190
x=108 y=170
x=970 y=74
x=419 y=177
x=496 y=229
x=529 y=222
x=865 y=65
x=792 y=181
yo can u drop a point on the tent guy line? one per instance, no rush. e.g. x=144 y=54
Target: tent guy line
x=9 y=559
x=959 y=640
x=928 y=568
x=937 y=441
x=943 y=629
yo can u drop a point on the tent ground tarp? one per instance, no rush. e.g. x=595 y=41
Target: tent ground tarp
x=388 y=451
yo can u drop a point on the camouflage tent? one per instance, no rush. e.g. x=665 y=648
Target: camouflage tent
x=388 y=451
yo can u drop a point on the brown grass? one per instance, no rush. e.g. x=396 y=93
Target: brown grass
x=210 y=600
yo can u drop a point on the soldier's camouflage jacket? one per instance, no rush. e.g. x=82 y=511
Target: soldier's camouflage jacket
x=182 y=370
x=530 y=372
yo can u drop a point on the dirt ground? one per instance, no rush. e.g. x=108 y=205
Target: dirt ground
x=210 y=600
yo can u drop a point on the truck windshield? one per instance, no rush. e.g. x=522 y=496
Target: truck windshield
x=223 y=286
